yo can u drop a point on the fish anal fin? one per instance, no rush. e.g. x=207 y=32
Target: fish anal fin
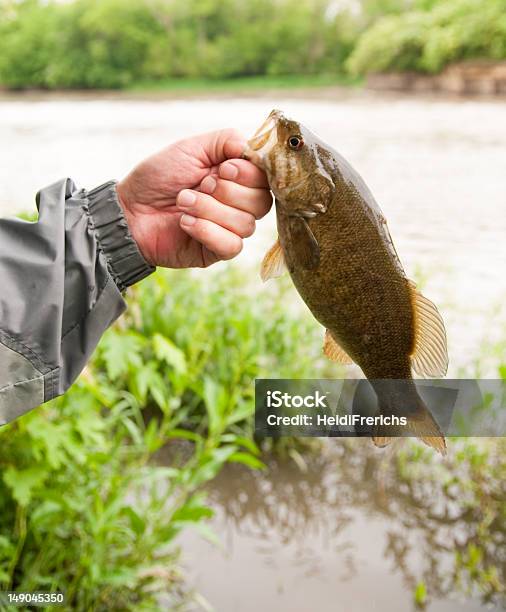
x=273 y=264
x=381 y=441
x=430 y=352
x=333 y=351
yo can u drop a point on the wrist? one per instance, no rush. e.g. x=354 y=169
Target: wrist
x=127 y=204
x=109 y=220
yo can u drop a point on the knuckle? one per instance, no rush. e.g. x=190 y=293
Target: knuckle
x=249 y=226
x=222 y=188
x=232 y=133
x=264 y=207
x=233 y=249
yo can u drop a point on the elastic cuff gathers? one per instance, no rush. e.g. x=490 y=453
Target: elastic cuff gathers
x=124 y=260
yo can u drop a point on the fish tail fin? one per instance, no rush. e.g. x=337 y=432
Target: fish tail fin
x=420 y=424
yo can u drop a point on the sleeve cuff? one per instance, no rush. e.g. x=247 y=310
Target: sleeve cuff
x=124 y=260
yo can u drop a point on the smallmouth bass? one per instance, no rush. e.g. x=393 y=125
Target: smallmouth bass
x=334 y=240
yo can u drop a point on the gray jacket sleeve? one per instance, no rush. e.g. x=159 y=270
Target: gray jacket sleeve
x=61 y=284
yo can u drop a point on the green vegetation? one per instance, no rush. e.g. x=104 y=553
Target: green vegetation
x=114 y=43
x=159 y=44
x=428 y=40
x=83 y=505
x=459 y=508
x=245 y=84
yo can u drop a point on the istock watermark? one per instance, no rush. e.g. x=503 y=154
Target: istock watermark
x=342 y=407
x=277 y=399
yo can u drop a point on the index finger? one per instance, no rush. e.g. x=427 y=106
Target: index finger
x=243 y=172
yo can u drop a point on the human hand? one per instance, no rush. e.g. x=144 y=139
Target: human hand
x=192 y=203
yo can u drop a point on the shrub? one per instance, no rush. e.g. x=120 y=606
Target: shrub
x=393 y=43
x=428 y=40
x=84 y=507
x=113 y=43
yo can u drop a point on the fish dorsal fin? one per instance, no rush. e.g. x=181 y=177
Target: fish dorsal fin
x=333 y=351
x=430 y=354
x=273 y=264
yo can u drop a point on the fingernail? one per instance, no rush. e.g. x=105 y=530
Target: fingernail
x=208 y=185
x=186 y=198
x=188 y=220
x=229 y=171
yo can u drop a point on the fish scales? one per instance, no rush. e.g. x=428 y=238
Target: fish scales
x=358 y=291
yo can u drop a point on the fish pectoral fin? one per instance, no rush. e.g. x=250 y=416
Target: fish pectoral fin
x=333 y=351
x=315 y=209
x=273 y=264
x=304 y=244
x=430 y=354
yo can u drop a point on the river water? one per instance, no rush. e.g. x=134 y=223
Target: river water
x=346 y=533
x=301 y=541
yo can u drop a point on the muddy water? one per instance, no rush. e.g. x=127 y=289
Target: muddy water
x=344 y=534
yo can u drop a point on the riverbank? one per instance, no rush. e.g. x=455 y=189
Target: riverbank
x=392 y=86
x=479 y=78
x=292 y=85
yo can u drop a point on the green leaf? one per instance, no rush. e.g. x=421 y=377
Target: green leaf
x=152 y=438
x=137 y=523
x=184 y=435
x=241 y=413
x=213 y=398
x=147 y=380
x=167 y=351
x=211 y=465
x=52 y=437
x=474 y=556
x=248 y=460
x=121 y=352
x=46 y=509
x=241 y=441
x=192 y=513
x=23 y=482
x=420 y=595
x=6 y=545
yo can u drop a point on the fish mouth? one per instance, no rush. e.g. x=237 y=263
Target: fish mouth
x=264 y=139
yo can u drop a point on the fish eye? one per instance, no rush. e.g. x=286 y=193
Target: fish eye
x=295 y=142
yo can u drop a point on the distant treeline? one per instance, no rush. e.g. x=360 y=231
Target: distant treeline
x=116 y=43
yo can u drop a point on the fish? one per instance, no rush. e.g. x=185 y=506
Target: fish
x=335 y=243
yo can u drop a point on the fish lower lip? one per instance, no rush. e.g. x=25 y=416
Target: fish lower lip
x=252 y=156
